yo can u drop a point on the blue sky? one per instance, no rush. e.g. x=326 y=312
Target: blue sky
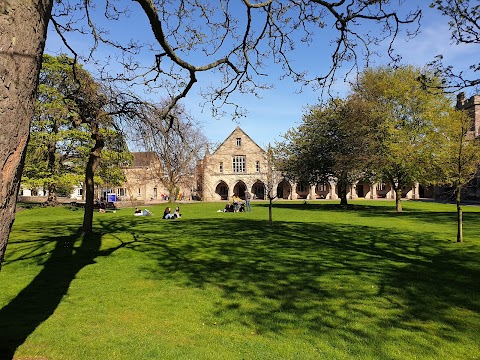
x=282 y=107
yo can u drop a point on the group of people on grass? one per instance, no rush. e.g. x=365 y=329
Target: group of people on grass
x=167 y=214
x=237 y=205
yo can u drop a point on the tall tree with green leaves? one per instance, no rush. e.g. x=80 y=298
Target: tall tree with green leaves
x=73 y=124
x=404 y=117
x=458 y=162
x=47 y=163
x=332 y=142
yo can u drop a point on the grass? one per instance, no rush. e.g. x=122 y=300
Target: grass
x=325 y=282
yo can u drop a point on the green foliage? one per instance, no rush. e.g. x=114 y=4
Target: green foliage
x=459 y=160
x=324 y=283
x=59 y=142
x=331 y=141
x=405 y=117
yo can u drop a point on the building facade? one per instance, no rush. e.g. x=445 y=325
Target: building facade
x=239 y=164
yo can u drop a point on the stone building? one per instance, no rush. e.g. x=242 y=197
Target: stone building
x=236 y=165
x=239 y=164
x=472 y=106
x=143 y=180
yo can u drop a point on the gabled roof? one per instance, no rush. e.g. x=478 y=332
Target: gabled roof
x=231 y=135
x=143 y=159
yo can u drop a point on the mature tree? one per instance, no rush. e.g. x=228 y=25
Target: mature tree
x=459 y=160
x=236 y=42
x=404 y=116
x=177 y=146
x=100 y=109
x=464 y=23
x=23 y=29
x=73 y=123
x=333 y=141
x=49 y=126
x=58 y=147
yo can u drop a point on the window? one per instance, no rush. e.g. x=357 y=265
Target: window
x=139 y=192
x=79 y=191
x=321 y=187
x=239 y=141
x=302 y=187
x=257 y=166
x=381 y=186
x=239 y=163
x=220 y=167
x=121 y=192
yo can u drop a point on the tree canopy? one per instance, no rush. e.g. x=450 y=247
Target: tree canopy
x=405 y=117
x=59 y=146
x=331 y=143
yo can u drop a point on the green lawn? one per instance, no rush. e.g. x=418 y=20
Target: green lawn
x=324 y=282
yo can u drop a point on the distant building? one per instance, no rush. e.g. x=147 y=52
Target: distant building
x=144 y=180
x=239 y=164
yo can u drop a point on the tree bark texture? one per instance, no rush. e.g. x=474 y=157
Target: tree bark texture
x=459 y=214
x=342 y=192
x=23 y=31
x=270 y=206
x=92 y=164
x=398 y=199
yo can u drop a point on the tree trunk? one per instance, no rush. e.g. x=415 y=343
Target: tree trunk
x=270 y=206
x=342 y=192
x=172 y=196
x=92 y=164
x=459 y=214
x=398 y=199
x=23 y=30
x=52 y=195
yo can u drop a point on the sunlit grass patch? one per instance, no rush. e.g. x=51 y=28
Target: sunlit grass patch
x=323 y=282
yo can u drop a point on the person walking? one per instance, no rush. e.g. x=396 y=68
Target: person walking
x=248 y=197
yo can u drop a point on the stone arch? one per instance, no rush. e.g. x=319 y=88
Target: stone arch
x=221 y=190
x=258 y=190
x=284 y=190
x=383 y=189
x=322 y=191
x=302 y=190
x=239 y=189
x=363 y=189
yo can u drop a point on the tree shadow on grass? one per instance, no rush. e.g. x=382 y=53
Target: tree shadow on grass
x=38 y=301
x=384 y=211
x=364 y=284
x=356 y=284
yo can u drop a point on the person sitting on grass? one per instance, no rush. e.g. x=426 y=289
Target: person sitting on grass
x=177 y=214
x=147 y=212
x=167 y=214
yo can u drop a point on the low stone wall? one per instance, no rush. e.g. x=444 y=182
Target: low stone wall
x=42 y=199
x=65 y=200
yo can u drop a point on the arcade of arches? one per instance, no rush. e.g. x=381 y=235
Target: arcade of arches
x=239 y=164
x=293 y=191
